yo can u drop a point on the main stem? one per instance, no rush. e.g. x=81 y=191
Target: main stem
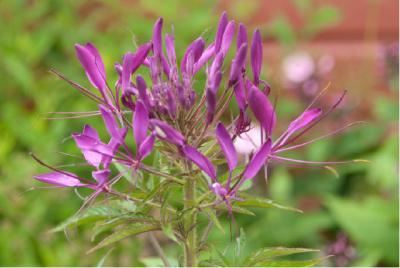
x=190 y=247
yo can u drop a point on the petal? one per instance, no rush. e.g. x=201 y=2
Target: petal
x=146 y=147
x=112 y=148
x=223 y=21
x=256 y=56
x=101 y=176
x=237 y=64
x=111 y=123
x=166 y=132
x=225 y=141
x=93 y=65
x=92 y=148
x=157 y=37
x=142 y=88
x=91 y=132
x=228 y=36
x=196 y=48
x=257 y=161
x=200 y=160
x=204 y=58
x=262 y=109
x=64 y=179
x=242 y=35
x=98 y=61
x=140 y=123
x=306 y=118
x=170 y=48
x=132 y=62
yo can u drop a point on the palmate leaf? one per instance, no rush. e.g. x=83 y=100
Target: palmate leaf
x=126 y=231
x=256 y=202
x=268 y=254
x=113 y=209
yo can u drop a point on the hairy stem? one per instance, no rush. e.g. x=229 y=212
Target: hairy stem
x=190 y=245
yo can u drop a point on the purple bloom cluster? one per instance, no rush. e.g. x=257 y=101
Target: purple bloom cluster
x=169 y=116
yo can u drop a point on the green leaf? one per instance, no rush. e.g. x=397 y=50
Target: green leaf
x=262 y=203
x=103 y=259
x=113 y=209
x=213 y=217
x=108 y=225
x=236 y=209
x=305 y=263
x=265 y=254
x=129 y=230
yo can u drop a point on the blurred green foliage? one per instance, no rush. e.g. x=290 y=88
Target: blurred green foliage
x=38 y=35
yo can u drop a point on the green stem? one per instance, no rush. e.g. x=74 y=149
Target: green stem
x=190 y=245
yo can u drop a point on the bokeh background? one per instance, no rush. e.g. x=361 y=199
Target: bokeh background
x=308 y=43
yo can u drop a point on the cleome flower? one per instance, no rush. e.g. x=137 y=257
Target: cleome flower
x=159 y=99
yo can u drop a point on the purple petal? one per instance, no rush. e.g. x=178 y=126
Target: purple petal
x=65 y=179
x=225 y=141
x=257 y=161
x=223 y=21
x=262 y=109
x=146 y=147
x=306 y=118
x=98 y=61
x=101 y=176
x=142 y=88
x=157 y=37
x=195 y=49
x=256 y=56
x=111 y=124
x=217 y=64
x=200 y=160
x=242 y=35
x=132 y=62
x=91 y=132
x=237 y=64
x=166 y=132
x=92 y=148
x=204 y=58
x=140 y=123
x=228 y=36
x=93 y=65
x=170 y=47
x=112 y=148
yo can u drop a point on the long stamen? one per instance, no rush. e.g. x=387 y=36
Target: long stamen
x=321 y=137
x=333 y=107
x=80 y=88
x=312 y=162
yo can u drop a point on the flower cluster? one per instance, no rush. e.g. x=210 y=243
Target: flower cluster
x=168 y=112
